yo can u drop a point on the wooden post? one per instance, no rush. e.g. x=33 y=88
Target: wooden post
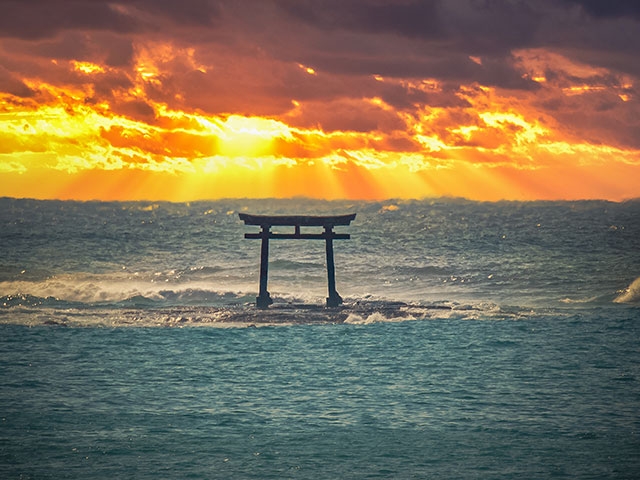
x=333 y=300
x=263 y=300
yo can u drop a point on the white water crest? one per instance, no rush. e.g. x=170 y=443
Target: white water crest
x=631 y=294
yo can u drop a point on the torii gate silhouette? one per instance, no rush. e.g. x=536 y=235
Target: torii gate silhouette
x=263 y=300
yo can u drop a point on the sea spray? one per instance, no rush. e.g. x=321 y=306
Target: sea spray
x=631 y=294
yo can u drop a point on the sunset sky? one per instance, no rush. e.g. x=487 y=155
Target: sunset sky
x=368 y=99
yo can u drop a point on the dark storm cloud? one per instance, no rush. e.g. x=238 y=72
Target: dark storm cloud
x=184 y=12
x=103 y=47
x=609 y=8
x=33 y=19
x=10 y=84
x=252 y=48
x=436 y=37
x=36 y=19
x=482 y=27
x=119 y=51
x=415 y=38
x=418 y=19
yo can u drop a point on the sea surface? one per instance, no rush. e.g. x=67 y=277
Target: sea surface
x=476 y=341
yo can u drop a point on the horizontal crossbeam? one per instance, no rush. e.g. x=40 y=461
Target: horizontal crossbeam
x=301 y=236
x=297 y=220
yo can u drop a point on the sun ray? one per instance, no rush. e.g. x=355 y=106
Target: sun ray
x=138 y=143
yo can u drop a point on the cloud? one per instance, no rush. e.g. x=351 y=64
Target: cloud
x=419 y=19
x=347 y=115
x=435 y=81
x=608 y=9
x=38 y=19
x=406 y=38
x=202 y=13
x=11 y=84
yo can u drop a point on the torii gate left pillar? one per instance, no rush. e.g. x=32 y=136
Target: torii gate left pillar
x=263 y=300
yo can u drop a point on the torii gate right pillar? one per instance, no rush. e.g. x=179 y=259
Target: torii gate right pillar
x=334 y=299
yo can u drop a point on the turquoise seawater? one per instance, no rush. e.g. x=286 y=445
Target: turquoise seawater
x=538 y=398
x=488 y=341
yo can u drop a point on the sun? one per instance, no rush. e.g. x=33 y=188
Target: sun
x=251 y=137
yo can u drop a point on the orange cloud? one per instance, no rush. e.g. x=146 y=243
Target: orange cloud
x=99 y=131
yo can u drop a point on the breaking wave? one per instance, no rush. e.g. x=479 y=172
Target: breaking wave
x=239 y=312
x=194 y=286
x=631 y=294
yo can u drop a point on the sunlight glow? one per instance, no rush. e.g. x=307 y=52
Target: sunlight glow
x=65 y=141
x=87 y=67
x=524 y=132
x=309 y=70
x=250 y=136
x=580 y=89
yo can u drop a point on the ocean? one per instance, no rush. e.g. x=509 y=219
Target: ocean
x=476 y=341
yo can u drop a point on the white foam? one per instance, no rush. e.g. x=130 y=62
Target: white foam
x=631 y=294
x=568 y=300
x=112 y=288
x=375 y=317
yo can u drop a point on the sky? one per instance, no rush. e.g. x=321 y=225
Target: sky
x=335 y=99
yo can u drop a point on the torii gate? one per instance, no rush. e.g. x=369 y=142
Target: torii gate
x=263 y=300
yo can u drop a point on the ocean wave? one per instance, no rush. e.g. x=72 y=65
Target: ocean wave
x=92 y=290
x=164 y=298
x=424 y=270
x=127 y=287
x=586 y=300
x=294 y=265
x=144 y=312
x=631 y=294
x=28 y=300
x=375 y=317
